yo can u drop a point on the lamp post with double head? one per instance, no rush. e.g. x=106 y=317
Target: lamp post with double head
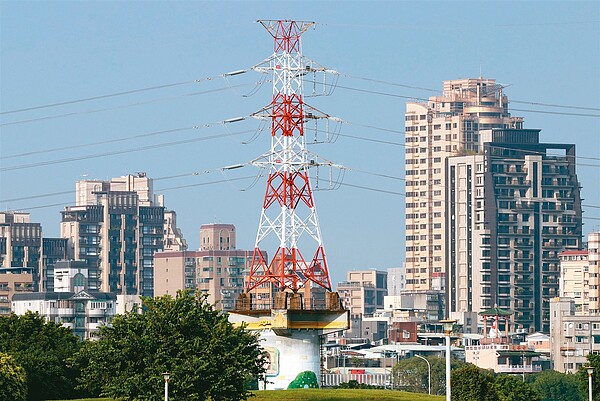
x=448 y=326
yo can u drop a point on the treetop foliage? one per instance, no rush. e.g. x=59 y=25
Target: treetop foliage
x=206 y=356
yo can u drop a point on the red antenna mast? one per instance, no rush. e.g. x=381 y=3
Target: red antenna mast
x=288 y=211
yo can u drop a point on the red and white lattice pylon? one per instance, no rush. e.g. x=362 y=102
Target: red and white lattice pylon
x=288 y=210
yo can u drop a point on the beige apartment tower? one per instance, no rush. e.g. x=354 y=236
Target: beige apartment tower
x=445 y=126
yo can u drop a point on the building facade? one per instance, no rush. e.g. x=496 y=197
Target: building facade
x=579 y=276
x=396 y=281
x=218 y=269
x=510 y=212
x=25 y=256
x=116 y=227
x=364 y=291
x=446 y=125
x=572 y=336
x=71 y=304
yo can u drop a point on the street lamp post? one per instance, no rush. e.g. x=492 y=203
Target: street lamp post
x=590 y=372
x=428 y=373
x=166 y=377
x=448 y=325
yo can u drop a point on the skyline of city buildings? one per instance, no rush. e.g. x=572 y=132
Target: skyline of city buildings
x=493 y=219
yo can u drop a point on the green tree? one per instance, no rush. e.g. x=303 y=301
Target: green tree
x=412 y=374
x=42 y=348
x=594 y=361
x=511 y=388
x=469 y=383
x=207 y=356
x=13 y=381
x=556 y=386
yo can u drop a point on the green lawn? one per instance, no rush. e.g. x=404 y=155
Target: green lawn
x=329 y=395
x=340 y=395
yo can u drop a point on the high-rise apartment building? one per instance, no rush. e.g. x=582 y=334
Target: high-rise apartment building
x=511 y=209
x=116 y=227
x=446 y=125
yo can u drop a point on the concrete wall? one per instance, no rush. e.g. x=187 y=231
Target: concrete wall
x=290 y=355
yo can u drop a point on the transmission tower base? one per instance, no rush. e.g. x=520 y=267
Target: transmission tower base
x=291 y=336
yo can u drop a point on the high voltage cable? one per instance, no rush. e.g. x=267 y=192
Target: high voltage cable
x=441 y=92
x=106 y=154
x=120 y=107
x=426 y=100
x=168 y=177
x=128 y=92
x=162 y=189
x=190 y=174
x=143 y=135
x=443 y=200
x=38 y=164
x=225 y=75
x=452 y=142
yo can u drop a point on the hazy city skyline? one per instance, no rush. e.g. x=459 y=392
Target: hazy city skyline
x=546 y=53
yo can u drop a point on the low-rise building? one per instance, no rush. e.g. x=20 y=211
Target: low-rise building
x=572 y=336
x=496 y=351
x=71 y=304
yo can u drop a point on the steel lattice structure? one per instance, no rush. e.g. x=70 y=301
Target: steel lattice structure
x=288 y=209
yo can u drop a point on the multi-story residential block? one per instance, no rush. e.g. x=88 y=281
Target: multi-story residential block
x=218 y=269
x=13 y=280
x=25 y=256
x=116 y=227
x=53 y=250
x=510 y=211
x=71 y=304
x=446 y=125
x=574 y=278
x=572 y=336
x=579 y=276
x=21 y=244
x=364 y=291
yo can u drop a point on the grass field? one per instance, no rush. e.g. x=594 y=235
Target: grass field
x=329 y=395
x=340 y=395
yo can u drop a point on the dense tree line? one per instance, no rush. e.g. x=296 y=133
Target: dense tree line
x=470 y=383
x=206 y=356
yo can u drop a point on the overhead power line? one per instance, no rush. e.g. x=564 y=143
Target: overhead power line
x=120 y=106
x=119 y=152
x=122 y=93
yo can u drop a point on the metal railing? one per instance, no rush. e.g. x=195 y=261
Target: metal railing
x=375 y=379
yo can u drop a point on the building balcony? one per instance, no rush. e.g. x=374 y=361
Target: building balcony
x=494 y=341
x=96 y=312
x=523 y=257
x=518 y=369
x=65 y=312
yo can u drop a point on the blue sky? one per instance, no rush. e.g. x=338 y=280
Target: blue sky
x=53 y=52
